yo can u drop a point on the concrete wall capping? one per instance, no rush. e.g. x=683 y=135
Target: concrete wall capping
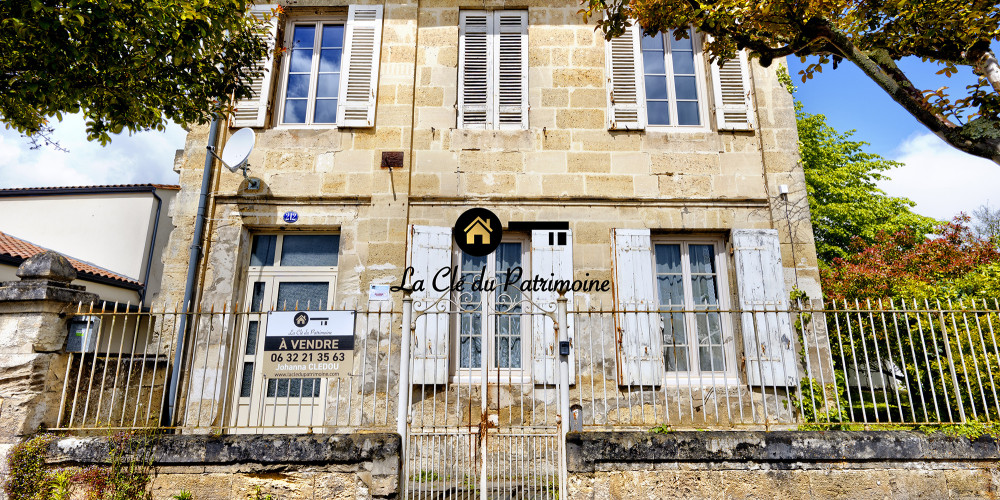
x=593 y=451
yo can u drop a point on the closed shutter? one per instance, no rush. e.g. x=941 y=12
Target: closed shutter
x=733 y=109
x=640 y=356
x=767 y=333
x=511 y=54
x=430 y=251
x=626 y=96
x=551 y=258
x=359 y=72
x=474 y=72
x=252 y=111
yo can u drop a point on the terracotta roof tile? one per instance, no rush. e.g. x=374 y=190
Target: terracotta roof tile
x=108 y=187
x=21 y=249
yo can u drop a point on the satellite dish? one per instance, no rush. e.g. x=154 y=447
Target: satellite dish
x=238 y=149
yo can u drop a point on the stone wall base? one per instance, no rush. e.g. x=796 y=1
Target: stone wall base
x=958 y=481
x=300 y=483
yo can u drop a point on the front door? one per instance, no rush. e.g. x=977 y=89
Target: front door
x=287 y=273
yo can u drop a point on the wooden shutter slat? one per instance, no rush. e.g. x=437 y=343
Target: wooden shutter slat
x=733 y=108
x=626 y=89
x=640 y=355
x=767 y=333
x=429 y=251
x=359 y=71
x=252 y=111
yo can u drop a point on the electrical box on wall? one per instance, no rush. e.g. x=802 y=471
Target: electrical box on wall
x=82 y=335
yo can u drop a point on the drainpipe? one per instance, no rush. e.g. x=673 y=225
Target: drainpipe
x=170 y=414
x=152 y=248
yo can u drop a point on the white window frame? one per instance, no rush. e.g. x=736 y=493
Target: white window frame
x=514 y=375
x=286 y=59
x=695 y=376
x=697 y=43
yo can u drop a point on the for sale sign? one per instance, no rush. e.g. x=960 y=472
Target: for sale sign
x=307 y=344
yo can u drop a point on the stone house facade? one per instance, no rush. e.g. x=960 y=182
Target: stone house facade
x=636 y=161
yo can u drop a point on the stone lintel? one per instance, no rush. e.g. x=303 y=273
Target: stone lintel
x=21 y=291
x=591 y=451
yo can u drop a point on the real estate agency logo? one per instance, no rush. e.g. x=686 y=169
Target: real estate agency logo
x=478 y=232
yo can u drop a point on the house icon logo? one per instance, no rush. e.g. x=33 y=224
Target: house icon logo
x=478 y=232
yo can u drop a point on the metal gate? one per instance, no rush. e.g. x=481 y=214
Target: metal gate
x=489 y=426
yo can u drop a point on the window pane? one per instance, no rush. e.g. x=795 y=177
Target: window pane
x=671 y=288
x=295 y=111
x=683 y=63
x=687 y=113
x=702 y=258
x=658 y=112
x=329 y=60
x=656 y=87
x=686 y=87
x=333 y=35
x=262 y=250
x=681 y=44
x=668 y=259
x=304 y=36
x=246 y=380
x=327 y=85
x=652 y=62
x=298 y=86
x=507 y=324
x=257 y=299
x=310 y=250
x=654 y=42
x=470 y=301
x=301 y=61
x=294 y=296
x=326 y=111
x=251 y=338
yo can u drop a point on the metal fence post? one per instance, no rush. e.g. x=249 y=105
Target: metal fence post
x=562 y=332
x=404 y=367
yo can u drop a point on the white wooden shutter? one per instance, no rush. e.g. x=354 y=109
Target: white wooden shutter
x=731 y=82
x=430 y=250
x=252 y=111
x=626 y=89
x=475 y=74
x=767 y=332
x=551 y=258
x=359 y=66
x=511 y=61
x=640 y=355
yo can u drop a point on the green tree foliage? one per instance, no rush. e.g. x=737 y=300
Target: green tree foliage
x=126 y=65
x=871 y=35
x=844 y=200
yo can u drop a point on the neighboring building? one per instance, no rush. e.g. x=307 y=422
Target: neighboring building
x=109 y=286
x=120 y=228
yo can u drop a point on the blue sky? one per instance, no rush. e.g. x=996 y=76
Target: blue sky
x=942 y=180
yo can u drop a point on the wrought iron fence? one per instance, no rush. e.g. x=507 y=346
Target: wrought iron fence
x=855 y=363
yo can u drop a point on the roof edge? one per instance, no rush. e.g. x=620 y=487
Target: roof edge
x=119 y=188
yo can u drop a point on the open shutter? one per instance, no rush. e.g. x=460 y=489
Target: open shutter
x=551 y=257
x=733 y=109
x=626 y=91
x=640 y=355
x=430 y=251
x=359 y=66
x=475 y=73
x=511 y=54
x=252 y=112
x=767 y=332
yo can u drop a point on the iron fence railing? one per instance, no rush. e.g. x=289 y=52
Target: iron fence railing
x=856 y=363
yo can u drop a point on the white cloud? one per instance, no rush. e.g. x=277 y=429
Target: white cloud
x=145 y=157
x=942 y=180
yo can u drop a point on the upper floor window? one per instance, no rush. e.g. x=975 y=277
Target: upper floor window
x=312 y=78
x=493 y=70
x=328 y=74
x=660 y=81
